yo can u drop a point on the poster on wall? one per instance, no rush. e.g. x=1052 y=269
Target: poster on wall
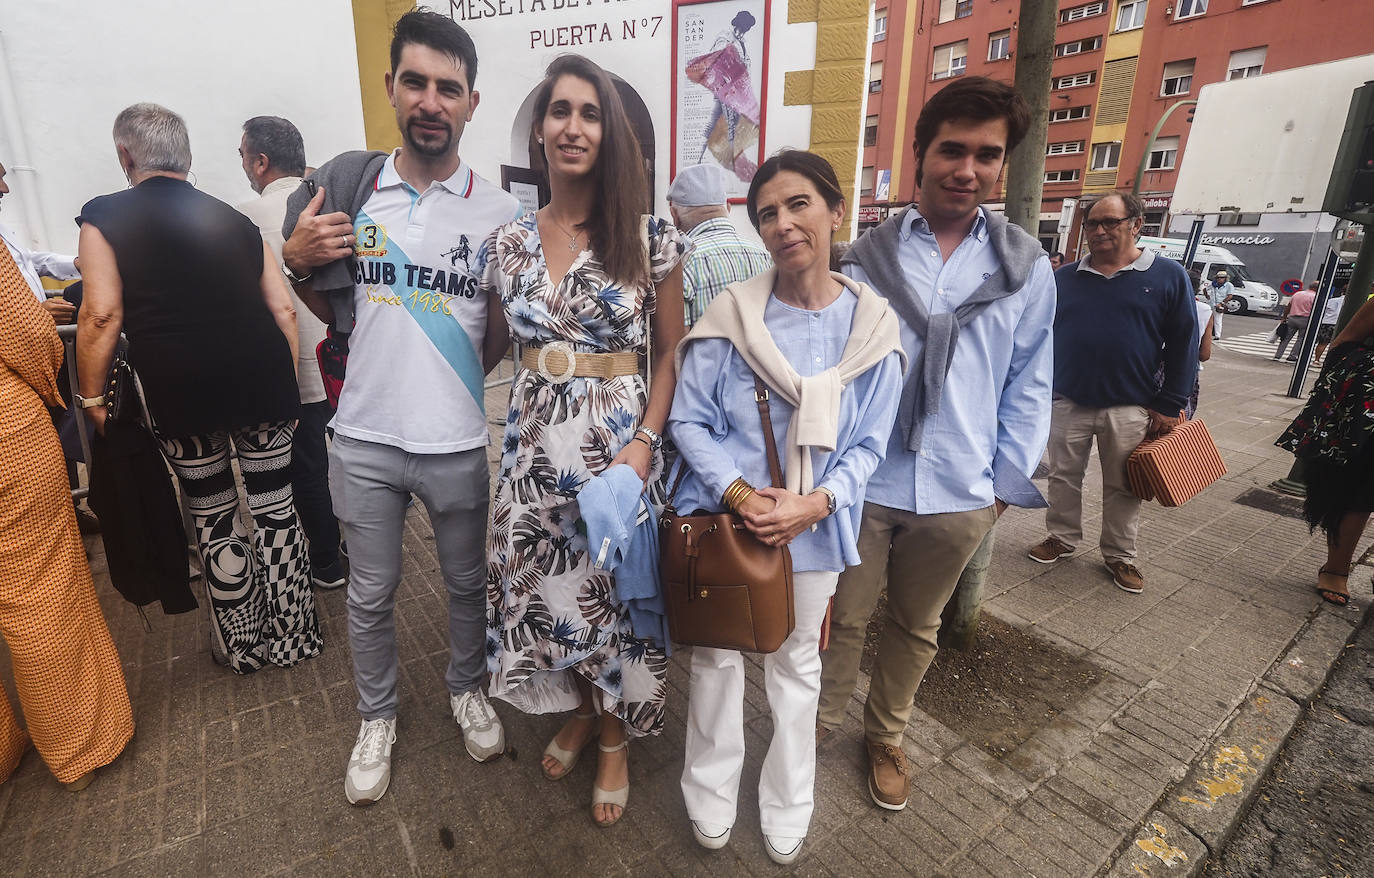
x=720 y=63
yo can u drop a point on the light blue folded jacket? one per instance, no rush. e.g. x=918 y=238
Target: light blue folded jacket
x=622 y=536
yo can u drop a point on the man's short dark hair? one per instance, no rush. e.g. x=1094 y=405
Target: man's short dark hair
x=1131 y=202
x=439 y=32
x=979 y=99
x=277 y=139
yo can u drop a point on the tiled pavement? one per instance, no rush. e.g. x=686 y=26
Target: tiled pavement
x=242 y=776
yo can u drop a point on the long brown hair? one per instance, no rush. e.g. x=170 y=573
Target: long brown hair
x=613 y=227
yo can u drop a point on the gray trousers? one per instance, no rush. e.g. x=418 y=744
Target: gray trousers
x=370 y=484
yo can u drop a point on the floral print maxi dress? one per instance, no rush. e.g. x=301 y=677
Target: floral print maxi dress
x=551 y=613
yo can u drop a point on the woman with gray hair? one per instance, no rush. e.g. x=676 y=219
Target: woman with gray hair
x=212 y=336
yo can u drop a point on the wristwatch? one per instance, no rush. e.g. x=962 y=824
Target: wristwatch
x=296 y=279
x=88 y=402
x=829 y=499
x=655 y=440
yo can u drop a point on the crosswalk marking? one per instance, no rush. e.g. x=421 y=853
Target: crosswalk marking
x=1255 y=344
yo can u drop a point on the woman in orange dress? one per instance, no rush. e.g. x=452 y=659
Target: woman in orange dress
x=66 y=669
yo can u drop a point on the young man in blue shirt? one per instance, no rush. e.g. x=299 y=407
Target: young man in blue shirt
x=976 y=300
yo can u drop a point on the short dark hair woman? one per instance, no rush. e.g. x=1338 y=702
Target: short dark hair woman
x=212 y=336
x=582 y=296
x=829 y=351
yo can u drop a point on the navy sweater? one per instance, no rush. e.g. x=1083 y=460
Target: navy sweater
x=1111 y=334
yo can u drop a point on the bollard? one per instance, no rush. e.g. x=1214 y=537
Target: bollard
x=959 y=620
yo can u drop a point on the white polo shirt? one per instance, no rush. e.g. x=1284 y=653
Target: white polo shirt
x=415 y=355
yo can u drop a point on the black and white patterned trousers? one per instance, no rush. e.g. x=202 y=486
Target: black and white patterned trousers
x=262 y=609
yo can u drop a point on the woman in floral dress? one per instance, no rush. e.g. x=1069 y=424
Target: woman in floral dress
x=575 y=277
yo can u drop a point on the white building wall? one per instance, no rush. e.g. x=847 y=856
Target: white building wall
x=515 y=43
x=74 y=64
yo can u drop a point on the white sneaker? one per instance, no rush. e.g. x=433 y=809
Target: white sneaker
x=369 y=768
x=781 y=850
x=711 y=836
x=483 y=734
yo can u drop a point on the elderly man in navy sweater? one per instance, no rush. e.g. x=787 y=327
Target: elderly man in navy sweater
x=1121 y=310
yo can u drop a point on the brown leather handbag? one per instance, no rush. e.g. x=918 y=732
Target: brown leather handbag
x=724 y=587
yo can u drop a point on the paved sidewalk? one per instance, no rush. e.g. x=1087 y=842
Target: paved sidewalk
x=242 y=776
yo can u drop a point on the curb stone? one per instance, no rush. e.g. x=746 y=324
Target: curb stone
x=1213 y=796
x=1161 y=849
x=1304 y=668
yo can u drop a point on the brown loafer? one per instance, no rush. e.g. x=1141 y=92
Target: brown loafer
x=888 y=781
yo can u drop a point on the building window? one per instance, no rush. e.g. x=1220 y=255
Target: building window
x=1130 y=16
x=1164 y=155
x=951 y=59
x=871 y=131
x=999 y=45
x=1075 y=81
x=946 y=11
x=1153 y=222
x=1246 y=63
x=1069 y=176
x=1238 y=219
x=880 y=26
x=1067 y=147
x=1077 y=47
x=1077 y=13
x=866 y=181
x=1069 y=114
x=963 y=8
x=1191 y=8
x=1106 y=156
x=1178 y=78
x=875 y=77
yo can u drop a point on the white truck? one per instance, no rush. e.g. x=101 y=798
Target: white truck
x=1250 y=295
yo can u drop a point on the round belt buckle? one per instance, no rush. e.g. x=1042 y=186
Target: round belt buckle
x=561 y=347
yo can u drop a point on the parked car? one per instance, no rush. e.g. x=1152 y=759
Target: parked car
x=1250 y=295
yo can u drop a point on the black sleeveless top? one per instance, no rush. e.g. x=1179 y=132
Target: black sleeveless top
x=201 y=338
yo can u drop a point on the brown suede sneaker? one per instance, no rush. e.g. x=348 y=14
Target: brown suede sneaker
x=1126 y=576
x=1049 y=550
x=888 y=782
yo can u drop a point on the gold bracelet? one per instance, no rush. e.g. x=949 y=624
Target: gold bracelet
x=738 y=491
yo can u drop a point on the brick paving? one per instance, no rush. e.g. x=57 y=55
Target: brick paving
x=242 y=776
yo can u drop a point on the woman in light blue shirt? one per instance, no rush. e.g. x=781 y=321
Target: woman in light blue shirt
x=829 y=350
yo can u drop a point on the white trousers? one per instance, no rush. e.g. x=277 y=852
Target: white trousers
x=715 y=722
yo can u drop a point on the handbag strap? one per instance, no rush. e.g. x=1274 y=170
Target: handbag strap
x=770 y=444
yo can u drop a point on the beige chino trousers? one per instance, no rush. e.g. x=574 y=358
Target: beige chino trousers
x=1118 y=431
x=918 y=558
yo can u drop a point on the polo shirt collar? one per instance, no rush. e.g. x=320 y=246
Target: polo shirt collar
x=460 y=183
x=1141 y=263
x=914 y=223
x=281 y=183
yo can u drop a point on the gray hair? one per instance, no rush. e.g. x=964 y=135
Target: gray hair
x=279 y=140
x=1132 y=203
x=155 y=137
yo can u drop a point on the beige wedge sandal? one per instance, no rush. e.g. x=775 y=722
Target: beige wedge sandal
x=610 y=797
x=567 y=759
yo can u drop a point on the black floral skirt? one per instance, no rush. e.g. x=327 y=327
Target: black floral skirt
x=1334 y=438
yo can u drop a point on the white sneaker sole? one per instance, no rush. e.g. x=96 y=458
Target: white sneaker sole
x=361 y=799
x=710 y=842
x=1051 y=560
x=873 y=794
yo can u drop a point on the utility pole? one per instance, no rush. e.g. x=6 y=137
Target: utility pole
x=1034 y=58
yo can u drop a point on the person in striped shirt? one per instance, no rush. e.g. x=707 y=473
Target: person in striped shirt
x=722 y=257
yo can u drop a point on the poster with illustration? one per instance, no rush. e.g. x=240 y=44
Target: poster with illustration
x=719 y=75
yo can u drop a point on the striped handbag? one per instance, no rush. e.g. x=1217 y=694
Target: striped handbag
x=1174 y=467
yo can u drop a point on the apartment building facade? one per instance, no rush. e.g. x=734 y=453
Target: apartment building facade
x=1119 y=67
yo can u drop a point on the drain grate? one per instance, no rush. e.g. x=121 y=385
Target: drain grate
x=1272 y=501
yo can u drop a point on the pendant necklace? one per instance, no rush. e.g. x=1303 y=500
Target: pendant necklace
x=572 y=238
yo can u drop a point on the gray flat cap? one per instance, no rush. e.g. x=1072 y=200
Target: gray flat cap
x=698 y=186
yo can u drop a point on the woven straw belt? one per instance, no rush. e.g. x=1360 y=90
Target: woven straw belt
x=559 y=363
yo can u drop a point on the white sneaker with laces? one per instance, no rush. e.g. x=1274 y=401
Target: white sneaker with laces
x=483 y=735
x=781 y=850
x=712 y=836
x=369 y=768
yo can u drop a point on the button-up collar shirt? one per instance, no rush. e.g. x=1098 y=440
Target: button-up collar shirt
x=1218 y=294
x=994 y=417
x=720 y=257
x=34 y=264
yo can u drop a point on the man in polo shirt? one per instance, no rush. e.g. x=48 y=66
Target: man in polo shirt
x=1218 y=291
x=721 y=257
x=1120 y=312
x=389 y=248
